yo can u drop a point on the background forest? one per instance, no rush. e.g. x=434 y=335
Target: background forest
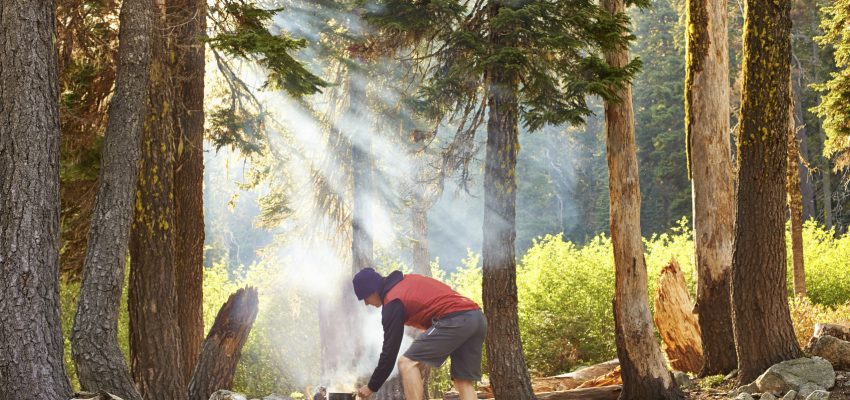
x=282 y=185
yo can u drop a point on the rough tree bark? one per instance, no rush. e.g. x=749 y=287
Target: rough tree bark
x=644 y=373
x=154 y=329
x=94 y=340
x=710 y=169
x=505 y=360
x=31 y=364
x=763 y=332
x=189 y=18
x=795 y=203
x=222 y=348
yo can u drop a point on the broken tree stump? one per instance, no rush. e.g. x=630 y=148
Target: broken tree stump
x=676 y=322
x=223 y=345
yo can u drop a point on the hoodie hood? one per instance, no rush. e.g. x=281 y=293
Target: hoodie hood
x=389 y=282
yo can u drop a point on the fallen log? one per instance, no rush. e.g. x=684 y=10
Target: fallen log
x=223 y=345
x=676 y=322
x=837 y=331
x=597 y=393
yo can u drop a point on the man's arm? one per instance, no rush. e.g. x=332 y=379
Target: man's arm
x=392 y=317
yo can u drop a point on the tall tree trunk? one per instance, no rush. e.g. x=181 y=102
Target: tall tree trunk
x=710 y=168
x=795 y=203
x=763 y=331
x=419 y=217
x=644 y=373
x=154 y=328
x=505 y=360
x=825 y=167
x=806 y=185
x=31 y=363
x=338 y=314
x=189 y=16
x=98 y=358
x=223 y=346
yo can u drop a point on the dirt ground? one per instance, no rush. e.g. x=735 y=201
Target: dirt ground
x=700 y=391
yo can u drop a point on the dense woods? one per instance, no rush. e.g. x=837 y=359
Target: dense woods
x=187 y=188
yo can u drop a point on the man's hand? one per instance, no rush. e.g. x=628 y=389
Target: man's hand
x=364 y=392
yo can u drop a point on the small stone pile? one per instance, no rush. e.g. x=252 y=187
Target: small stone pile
x=799 y=379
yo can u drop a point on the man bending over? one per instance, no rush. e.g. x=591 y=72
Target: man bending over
x=454 y=327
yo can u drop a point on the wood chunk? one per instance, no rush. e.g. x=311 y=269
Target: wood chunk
x=676 y=322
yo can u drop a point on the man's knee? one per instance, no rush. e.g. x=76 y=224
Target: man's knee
x=406 y=364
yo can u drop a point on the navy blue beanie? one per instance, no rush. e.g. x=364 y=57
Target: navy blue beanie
x=366 y=282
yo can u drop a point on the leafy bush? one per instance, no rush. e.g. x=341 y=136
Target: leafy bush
x=805 y=314
x=564 y=289
x=826 y=260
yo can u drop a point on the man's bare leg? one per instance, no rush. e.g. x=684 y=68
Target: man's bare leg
x=466 y=389
x=411 y=378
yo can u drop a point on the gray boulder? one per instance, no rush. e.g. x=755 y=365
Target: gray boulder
x=818 y=395
x=807 y=389
x=767 y=396
x=744 y=396
x=794 y=374
x=791 y=395
x=227 y=395
x=835 y=350
x=748 y=389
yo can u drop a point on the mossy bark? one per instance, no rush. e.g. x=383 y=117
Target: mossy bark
x=154 y=328
x=762 y=323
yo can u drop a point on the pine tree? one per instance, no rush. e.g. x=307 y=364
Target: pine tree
x=502 y=63
x=31 y=342
x=835 y=109
x=710 y=168
x=760 y=315
x=99 y=361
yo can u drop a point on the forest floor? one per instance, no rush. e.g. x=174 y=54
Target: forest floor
x=703 y=390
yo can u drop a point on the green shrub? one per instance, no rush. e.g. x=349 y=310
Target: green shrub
x=826 y=259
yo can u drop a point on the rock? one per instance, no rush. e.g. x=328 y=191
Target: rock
x=818 y=395
x=835 y=350
x=744 y=396
x=748 y=389
x=227 y=395
x=791 y=395
x=682 y=379
x=767 y=396
x=807 y=389
x=793 y=374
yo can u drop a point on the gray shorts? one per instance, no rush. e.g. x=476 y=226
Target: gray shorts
x=459 y=335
